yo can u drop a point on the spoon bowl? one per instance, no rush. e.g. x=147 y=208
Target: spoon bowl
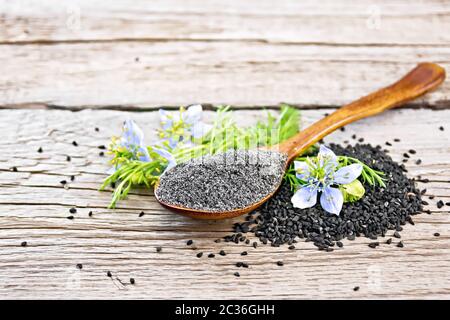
x=422 y=79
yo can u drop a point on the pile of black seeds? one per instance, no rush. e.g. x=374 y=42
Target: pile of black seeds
x=227 y=181
x=380 y=210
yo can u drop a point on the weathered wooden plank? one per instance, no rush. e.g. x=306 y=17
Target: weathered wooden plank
x=34 y=207
x=332 y=22
x=107 y=75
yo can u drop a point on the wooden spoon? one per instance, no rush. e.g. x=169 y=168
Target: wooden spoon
x=422 y=79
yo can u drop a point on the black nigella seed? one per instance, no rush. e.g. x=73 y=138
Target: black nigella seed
x=400 y=244
x=24 y=244
x=412 y=151
x=97 y=129
x=397 y=235
x=236 y=274
x=73 y=210
x=199 y=255
x=238 y=264
x=342 y=129
x=75 y=143
x=101 y=153
x=291 y=247
x=132 y=281
x=447 y=203
x=339 y=244
x=437 y=234
x=424 y=203
x=158 y=249
x=70 y=217
x=141 y=214
x=40 y=150
x=72 y=178
x=14 y=169
x=441 y=128
x=68 y=158
x=418 y=161
x=109 y=274
x=353 y=136
x=243 y=253
x=388 y=143
x=397 y=140
x=406 y=155
x=90 y=213
x=79 y=266
x=102 y=147
x=222 y=253
x=63 y=182
x=244 y=265
x=440 y=204
x=189 y=242
x=373 y=245
x=389 y=241
x=255 y=244
x=431 y=197
x=361 y=140
x=211 y=255
x=280 y=263
x=356 y=288
x=423 y=191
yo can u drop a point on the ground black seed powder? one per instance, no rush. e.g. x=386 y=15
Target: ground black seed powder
x=228 y=181
x=380 y=210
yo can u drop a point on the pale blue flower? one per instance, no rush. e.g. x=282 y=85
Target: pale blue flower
x=166 y=155
x=319 y=175
x=133 y=140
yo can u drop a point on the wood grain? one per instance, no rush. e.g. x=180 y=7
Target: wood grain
x=34 y=207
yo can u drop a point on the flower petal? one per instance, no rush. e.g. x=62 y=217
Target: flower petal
x=348 y=173
x=165 y=119
x=193 y=114
x=331 y=200
x=306 y=197
x=327 y=157
x=199 y=129
x=301 y=170
x=166 y=155
x=132 y=134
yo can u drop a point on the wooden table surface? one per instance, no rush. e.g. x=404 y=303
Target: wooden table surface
x=70 y=67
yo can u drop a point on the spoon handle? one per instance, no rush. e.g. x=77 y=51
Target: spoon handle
x=422 y=79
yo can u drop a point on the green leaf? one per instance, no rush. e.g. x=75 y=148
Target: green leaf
x=352 y=191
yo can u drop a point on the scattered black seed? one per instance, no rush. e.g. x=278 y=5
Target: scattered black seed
x=255 y=244
x=24 y=244
x=68 y=158
x=412 y=151
x=97 y=129
x=247 y=241
x=136 y=59
x=437 y=234
x=75 y=143
x=132 y=281
x=101 y=153
x=102 y=147
x=236 y=274
x=373 y=245
x=426 y=180
x=361 y=140
x=40 y=150
x=356 y=288
x=141 y=214
x=397 y=140
x=418 y=161
x=244 y=253
x=109 y=274
x=280 y=263
x=404 y=160
x=406 y=155
x=424 y=203
x=63 y=182
x=447 y=203
x=342 y=129
x=90 y=213
x=73 y=210
x=339 y=244
x=441 y=128
x=158 y=249
x=244 y=265
x=189 y=242
x=80 y=266
x=400 y=244
x=70 y=217
x=389 y=241
x=353 y=136
x=222 y=253
x=423 y=191
x=397 y=235
x=217 y=240
x=199 y=255
x=72 y=178
x=440 y=204
x=431 y=197
x=238 y=264
x=211 y=255
x=388 y=143
x=291 y=247
x=14 y=169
